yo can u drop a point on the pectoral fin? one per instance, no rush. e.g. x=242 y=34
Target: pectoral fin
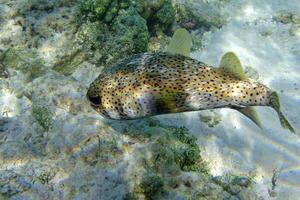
x=181 y=43
x=232 y=65
x=251 y=113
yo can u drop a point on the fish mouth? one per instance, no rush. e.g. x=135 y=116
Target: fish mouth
x=93 y=105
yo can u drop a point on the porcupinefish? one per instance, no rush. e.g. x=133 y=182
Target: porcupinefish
x=157 y=83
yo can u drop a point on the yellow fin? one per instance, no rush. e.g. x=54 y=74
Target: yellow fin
x=251 y=113
x=181 y=43
x=275 y=103
x=284 y=122
x=231 y=64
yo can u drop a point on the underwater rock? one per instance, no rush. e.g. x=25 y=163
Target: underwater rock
x=3 y=71
x=131 y=30
x=128 y=34
x=295 y=30
x=151 y=184
x=69 y=63
x=159 y=14
x=194 y=14
x=12 y=183
x=19 y=140
x=42 y=114
x=286 y=17
x=24 y=60
x=159 y=42
x=97 y=10
x=115 y=29
x=26 y=6
x=211 y=118
x=169 y=165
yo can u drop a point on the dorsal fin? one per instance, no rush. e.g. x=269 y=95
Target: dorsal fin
x=231 y=64
x=180 y=43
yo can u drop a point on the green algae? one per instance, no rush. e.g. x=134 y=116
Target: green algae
x=42 y=115
x=210 y=120
x=116 y=29
x=174 y=147
x=3 y=71
x=25 y=60
x=169 y=154
x=186 y=151
x=158 y=11
x=286 y=17
x=159 y=14
x=127 y=34
x=131 y=31
x=69 y=63
x=94 y=10
x=232 y=184
x=151 y=184
x=165 y=16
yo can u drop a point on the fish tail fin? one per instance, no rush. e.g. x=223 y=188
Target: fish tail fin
x=284 y=122
x=275 y=103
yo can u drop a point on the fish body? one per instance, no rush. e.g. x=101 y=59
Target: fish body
x=159 y=83
x=150 y=84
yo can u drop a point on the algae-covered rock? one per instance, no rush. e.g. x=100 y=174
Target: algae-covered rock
x=3 y=71
x=96 y=9
x=24 y=60
x=131 y=31
x=12 y=183
x=159 y=42
x=69 y=63
x=286 y=17
x=195 y=14
x=148 y=8
x=165 y=16
x=295 y=30
x=111 y=30
x=210 y=118
x=128 y=34
x=169 y=166
x=155 y=12
x=186 y=152
x=43 y=114
x=158 y=13
x=151 y=184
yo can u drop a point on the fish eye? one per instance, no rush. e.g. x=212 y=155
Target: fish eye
x=95 y=100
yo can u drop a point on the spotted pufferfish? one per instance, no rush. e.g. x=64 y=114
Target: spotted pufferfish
x=155 y=83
